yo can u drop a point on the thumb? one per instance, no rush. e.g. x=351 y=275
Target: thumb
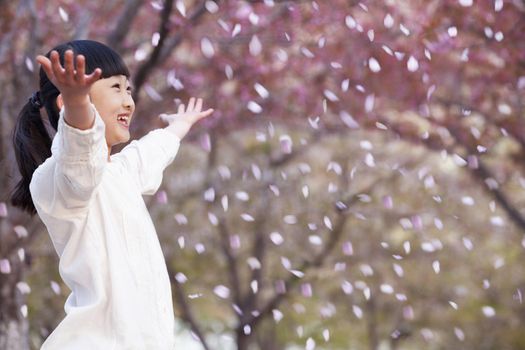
x=204 y=114
x=168 y=118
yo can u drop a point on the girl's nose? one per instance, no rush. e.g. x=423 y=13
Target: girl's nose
x=128 y=101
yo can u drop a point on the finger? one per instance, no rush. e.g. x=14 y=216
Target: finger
x=205 y=113
x=81 y=69
x=191 y=105
x=68 y=65
x=58 y=71
x=181 y=108
x=163 y=117
x=93 y=77
x=46 y=66
x=198 y=105
x=168 y=118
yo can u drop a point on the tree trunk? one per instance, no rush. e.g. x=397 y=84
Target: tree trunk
x=371 y=324
x=267 y=338
x=242 y=339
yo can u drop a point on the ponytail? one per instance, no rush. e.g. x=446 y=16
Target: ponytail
x=32 y=146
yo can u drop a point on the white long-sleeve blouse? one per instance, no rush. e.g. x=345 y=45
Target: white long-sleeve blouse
x=109 y=253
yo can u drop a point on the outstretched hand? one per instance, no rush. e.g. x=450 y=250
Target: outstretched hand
x=72 y=83
x=181 y=122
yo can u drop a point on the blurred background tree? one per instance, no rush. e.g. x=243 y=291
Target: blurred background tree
x=359 y=186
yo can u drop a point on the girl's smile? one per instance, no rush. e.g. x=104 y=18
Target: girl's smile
x=112 y=99
x=123 y=119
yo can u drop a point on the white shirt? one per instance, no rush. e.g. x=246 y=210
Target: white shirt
x=110 y=255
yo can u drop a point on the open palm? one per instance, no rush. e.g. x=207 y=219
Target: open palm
x=68 y=80
x=183 y=120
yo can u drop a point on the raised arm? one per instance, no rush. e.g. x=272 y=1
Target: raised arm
x=79 y=146
x=145 y=159
x=74 y=86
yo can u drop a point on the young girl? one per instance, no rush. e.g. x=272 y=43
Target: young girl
x=91 y=201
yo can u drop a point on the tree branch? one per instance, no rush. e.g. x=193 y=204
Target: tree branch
x=116 y=39
x=177 y=39
x=233 y=272
x=186 y=314
x=481 y=173
x=317 y=261
x=153 y=60
x=258 y=252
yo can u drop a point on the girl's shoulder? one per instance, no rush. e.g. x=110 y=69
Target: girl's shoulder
x=119 y=165
x=43 y=170
x=41 y=183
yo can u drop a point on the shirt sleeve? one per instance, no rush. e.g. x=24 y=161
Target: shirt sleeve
x=146 y=158
x=81 y=157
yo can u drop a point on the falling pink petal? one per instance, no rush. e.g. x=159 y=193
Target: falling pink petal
x=5 y=266
x=55 y=287
x=286 y=143
x=408 y=312
x=235 y=242
x=277 y=315
x=3 y=210
x=388 y=202
x=280 y=287
x=205 y=142
x=162 y=197
x=222 y=291
x=348 y=250
x=63 y=14
x=306 y=290
x=20 y=231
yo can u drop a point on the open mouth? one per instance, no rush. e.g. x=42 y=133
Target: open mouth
x=123 y=120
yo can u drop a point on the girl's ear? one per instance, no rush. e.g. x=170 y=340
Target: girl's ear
x=60 y=102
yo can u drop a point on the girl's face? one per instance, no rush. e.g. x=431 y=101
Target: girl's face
x=112 y=99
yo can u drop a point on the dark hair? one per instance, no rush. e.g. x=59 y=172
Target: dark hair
x=31 y=141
